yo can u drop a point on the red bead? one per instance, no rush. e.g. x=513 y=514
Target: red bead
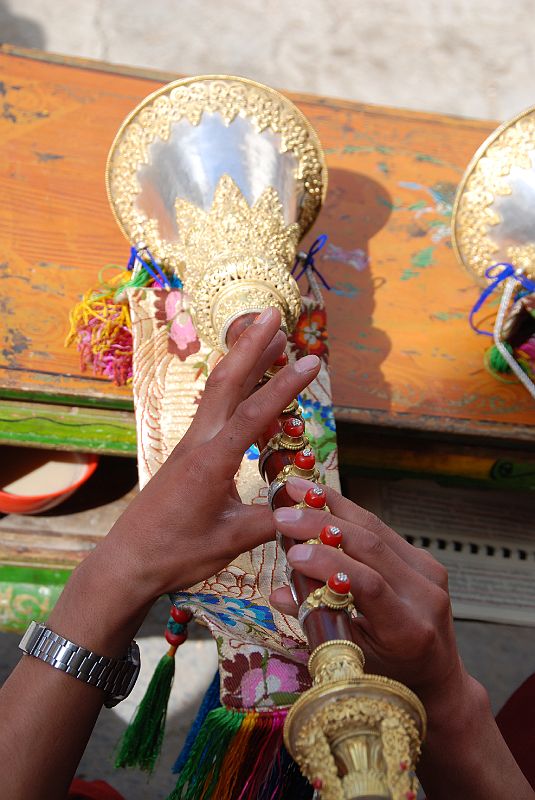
x=331 y=535
x=293 y=426
x=410 y=795
x=305 y=459
x=317 y=784
x=181 y=615
x=281 y=361
x=404 y=766
x=175 y=639
x=339 y=583
x=316 y=497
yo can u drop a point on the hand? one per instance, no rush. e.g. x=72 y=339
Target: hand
x=189 y=522
x=406 y=632
x=406 y=628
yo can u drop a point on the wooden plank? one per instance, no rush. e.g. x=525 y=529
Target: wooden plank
x=67 y=428
x=28 y=593
x=457 y=462
x=402 y=352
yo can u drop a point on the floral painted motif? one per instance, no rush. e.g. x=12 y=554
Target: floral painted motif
x=228 y=610
x=172 y=309
x=321 y=428
x=355 y=258
x=259 y=679
x=310 y=334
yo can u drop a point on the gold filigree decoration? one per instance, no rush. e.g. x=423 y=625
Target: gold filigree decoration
x=237 y=259
x=356 y=734
x=486 y=178
x=523 y=257
x=336 y=660
x=189 y=99
x=373 y=738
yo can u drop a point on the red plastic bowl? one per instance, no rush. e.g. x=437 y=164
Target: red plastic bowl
x=22 y=461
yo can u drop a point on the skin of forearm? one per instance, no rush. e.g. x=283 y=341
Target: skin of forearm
x=47 y=716
x=464 y=754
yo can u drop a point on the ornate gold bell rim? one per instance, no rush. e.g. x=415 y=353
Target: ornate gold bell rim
x=197 y=79
x=478 y=155
x=367 y=684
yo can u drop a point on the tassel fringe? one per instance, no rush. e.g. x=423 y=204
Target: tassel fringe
x=239 y=755
x=142 y=741
x=210 y=702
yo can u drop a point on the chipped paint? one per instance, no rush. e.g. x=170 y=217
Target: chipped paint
x=43 y=157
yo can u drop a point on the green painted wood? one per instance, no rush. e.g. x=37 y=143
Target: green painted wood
x=67 y=428
x=85 y=401
x=27 y=593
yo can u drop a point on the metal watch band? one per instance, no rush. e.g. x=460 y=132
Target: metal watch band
x=116 y=677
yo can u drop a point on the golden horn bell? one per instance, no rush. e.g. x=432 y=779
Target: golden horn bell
x=220 y=177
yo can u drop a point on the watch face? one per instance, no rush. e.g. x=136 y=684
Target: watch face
x=133 y=661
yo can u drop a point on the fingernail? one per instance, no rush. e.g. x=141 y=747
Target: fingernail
x=264 y=317
x=306 y=364
x=287 y=514
x=301 y=553
x=301 y=484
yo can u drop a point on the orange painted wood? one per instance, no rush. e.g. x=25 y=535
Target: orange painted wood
x=402 y=351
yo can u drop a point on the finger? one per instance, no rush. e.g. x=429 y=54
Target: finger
x=243 y=529
x=282 y=600
x=234 y=377
x=254 y=414
x=253 y=525
x=373 y=595
x=345 y=511
x=382 y=552
x=357 y=542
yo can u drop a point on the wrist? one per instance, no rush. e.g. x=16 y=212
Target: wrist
x=451 y=704
x=455 y=712
x=448 y=702
x=100 y=608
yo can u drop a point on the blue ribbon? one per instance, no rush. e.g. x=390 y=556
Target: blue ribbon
x=154 y=269
x=308 y=262
x=508 y=271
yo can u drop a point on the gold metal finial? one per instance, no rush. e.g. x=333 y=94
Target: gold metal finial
x=353 y=734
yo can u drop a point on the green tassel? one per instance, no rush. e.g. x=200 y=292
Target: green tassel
x=142 y=740
x=496 y=361
x=199 y=775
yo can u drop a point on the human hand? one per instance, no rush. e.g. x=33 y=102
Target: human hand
x=406 y=628
x=189 y=522
x=406 y=632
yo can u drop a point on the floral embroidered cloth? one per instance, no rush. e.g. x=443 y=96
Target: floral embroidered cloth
x=262 y=653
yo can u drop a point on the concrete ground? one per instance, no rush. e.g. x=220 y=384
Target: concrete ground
x=467 y=57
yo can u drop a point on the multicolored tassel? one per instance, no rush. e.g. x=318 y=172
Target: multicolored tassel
x=141 y=743
x=102 y=330
x=239 y=755
x=100 y=323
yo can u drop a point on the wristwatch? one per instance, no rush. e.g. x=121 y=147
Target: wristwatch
x=116 y=676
